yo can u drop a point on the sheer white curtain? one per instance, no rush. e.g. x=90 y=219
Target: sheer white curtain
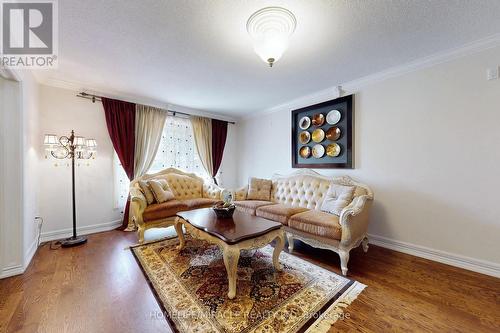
x=177 y=148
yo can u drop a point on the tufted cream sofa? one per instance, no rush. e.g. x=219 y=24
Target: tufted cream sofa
x=190 y=192
x=295 y=202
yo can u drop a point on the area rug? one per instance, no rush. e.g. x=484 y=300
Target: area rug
x=191 y=287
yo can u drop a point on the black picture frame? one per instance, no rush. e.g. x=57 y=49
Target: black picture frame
x=344 y=160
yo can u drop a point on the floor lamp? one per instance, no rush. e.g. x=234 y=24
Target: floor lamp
x=72 y=147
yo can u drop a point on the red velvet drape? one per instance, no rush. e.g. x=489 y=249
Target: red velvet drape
x=120 y=119
x=219 y=135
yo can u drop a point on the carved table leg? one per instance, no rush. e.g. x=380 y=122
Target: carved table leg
x=280 y=244
x=365 y=244
x=231 y=257
x=180 y=234
x=289 y=237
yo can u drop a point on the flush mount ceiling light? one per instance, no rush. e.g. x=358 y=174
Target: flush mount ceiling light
x=270 y=29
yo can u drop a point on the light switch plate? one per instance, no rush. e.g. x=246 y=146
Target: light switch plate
x=492 y=73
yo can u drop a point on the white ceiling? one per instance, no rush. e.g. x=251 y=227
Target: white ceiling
x=197 y=53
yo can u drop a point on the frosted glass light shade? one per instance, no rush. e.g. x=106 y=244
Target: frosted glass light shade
x=50 y=140
x=270 y=29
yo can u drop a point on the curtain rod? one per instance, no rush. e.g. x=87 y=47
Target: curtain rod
x=95 y=98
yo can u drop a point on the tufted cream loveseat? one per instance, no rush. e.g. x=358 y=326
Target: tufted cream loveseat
x=190 y=192
x=295 y=202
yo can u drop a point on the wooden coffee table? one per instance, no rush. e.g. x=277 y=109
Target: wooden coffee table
x=242 y=232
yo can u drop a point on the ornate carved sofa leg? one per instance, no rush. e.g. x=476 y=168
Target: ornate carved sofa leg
x=344 y=259
x=289 y=238
x=365 y=244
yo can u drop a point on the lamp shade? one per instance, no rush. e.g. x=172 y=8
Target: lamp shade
x=91 y=144
x=79 y=141
x=50 y=140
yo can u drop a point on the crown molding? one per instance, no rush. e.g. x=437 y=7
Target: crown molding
x=9 y=73
x=80 y=87
x=357 y=84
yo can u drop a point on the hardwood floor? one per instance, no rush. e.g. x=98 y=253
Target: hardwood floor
x=99 y=287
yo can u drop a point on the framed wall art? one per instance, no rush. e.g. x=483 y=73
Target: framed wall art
x=322 y=135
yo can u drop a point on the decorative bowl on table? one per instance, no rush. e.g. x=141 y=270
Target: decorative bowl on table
x=224 y=210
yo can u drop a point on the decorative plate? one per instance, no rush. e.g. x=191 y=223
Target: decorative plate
x=318 y=119
x=304 y=137
x=304 y=122
x=318 y=135
x=318 y=151
x=333 y=117
x=333 y=133
x=305 y=152
x=332 y=150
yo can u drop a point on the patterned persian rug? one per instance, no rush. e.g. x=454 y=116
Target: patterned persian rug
x=191 y=286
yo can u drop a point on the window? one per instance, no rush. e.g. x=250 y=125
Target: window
x=177 y=150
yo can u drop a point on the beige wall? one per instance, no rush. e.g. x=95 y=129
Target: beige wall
x=426 y=142
x=60 y=112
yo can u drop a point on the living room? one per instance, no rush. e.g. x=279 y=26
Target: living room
x=280 y=166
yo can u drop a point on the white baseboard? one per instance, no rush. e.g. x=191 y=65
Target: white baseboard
x=476 y=265
x=53 y=235
x=84 y=230
x=11 y=271
x=19 y=269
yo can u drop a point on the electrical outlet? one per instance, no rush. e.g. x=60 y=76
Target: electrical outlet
x=492 y=73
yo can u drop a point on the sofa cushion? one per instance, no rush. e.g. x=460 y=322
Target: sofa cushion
x=161 y=190
x=337 y=198
x=279 y=212
x=160 y=211
x=317 y=223
x=259 y=189
x=146 y=190
x=301 y=190
x=199 y=203
x=250 y=206
x=184 y=187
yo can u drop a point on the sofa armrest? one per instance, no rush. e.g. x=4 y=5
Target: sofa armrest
x=354 y=220
x=212 y=191
x=240 y=194
x=138 y=204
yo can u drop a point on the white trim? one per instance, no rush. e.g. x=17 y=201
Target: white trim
x=475 y=265
x=19 y=269
x=11 y=271
x=9 y=74
x=85 y=230
x=31 y=253
x=355 y=85
x=53 y=235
